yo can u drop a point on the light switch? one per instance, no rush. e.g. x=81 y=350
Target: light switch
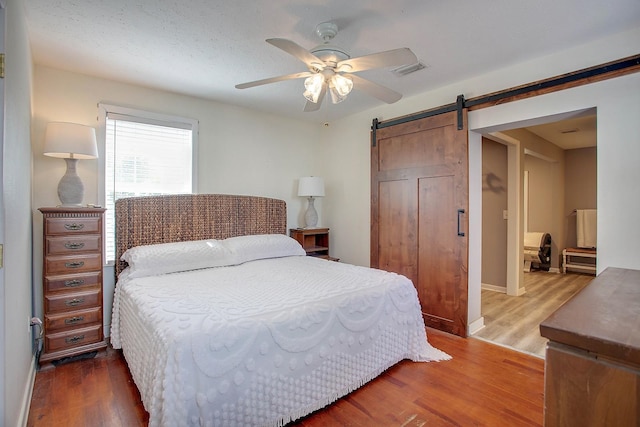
x=505 y=214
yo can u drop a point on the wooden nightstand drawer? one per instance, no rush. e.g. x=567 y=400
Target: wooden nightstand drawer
x=59 y=226
x=72 y=264
x=70 y=301
x=67 y=245
x=73 y=319
x=72 y=281
x=73 y=338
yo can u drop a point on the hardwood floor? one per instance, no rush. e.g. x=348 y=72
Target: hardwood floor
x=483 y=385
x=514 y=321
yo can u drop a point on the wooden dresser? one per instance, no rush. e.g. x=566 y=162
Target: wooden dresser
x=592 y=364
x=72 y=282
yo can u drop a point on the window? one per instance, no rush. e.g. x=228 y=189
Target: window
x=145 y=154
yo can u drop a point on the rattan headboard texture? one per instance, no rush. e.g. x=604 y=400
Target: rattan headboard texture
x=177 y=218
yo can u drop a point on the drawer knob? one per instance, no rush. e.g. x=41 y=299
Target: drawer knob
x=74 y=226
x=74 y=302
x=74 y=320
x=74 y=245
x=73 y=283
x=74 y=339
x=75 y=264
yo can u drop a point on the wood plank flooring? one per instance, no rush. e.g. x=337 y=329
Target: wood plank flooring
x=514 y=321
x=483 y=385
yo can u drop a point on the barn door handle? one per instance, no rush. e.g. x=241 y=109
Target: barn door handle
x=460 y=212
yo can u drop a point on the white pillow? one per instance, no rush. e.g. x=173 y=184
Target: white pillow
x=260 y=246
x=162 y=258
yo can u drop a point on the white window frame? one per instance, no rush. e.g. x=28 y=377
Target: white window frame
x=147 y=117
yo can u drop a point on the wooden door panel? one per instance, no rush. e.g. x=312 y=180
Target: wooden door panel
x=438 y=259
x=397 y=217
x=419 y=181
x=415 y=150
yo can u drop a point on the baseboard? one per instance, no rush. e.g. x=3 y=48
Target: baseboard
x=28 y=393
x=494 y=288
x=475 y=326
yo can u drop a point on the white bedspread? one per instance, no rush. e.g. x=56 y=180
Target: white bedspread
x=264 y=342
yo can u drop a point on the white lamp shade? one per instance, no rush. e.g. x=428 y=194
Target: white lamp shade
x=70 y=141
x=311 y=186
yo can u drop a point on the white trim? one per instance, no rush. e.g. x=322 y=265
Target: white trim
x=476 y=326
x=515 y=223
x=494 y=288
x=26 y=398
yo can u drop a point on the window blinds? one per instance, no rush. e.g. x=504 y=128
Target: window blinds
x=144 y=157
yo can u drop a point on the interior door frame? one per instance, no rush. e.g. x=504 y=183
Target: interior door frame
x=3 y=302
x=515 y=213
x=515 y=232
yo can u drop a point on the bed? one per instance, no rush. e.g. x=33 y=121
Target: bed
x=223 y=320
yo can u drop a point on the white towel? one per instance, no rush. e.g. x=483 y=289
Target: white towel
x=587 y=228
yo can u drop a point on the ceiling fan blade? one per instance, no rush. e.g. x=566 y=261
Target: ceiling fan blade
x=374 y=89
x=389 y=58
x=315 y=106
x=274 y=79
x=298 y=51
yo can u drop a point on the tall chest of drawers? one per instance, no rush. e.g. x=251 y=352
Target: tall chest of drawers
x=72 y=282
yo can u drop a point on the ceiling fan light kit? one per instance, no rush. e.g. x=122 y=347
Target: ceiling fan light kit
x=331 y=67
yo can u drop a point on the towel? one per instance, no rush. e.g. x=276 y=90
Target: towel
x=586 y=227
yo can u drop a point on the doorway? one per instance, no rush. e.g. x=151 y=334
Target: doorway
x=542 y=154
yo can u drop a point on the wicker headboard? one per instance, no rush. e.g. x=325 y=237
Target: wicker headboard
x=163 y=219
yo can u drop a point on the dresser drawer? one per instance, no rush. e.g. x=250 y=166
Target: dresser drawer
x=73 y=338
x=71 y=301
x=72 y=264
x=59 y=226
x=72 y=281
x=67 y=245
x=72 y=319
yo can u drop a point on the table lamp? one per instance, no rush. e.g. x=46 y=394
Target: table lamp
x=310 y=187
x=71 y=142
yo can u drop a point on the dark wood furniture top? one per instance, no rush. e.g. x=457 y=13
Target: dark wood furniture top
x=604 y=318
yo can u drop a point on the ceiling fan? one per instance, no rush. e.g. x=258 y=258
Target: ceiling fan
x=331 y=69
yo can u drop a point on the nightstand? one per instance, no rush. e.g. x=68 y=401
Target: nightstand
x=315 y=241
x=72 y=282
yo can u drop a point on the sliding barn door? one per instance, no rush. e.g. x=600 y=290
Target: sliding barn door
x=419 y=205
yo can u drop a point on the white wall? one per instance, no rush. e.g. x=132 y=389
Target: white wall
x=18 y=363
x=618 y=107
x=240 y=151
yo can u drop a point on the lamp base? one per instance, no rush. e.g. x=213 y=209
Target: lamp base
x=70 y=187
x=311 y=216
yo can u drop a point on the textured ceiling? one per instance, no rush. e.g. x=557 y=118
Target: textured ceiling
x=204 y=48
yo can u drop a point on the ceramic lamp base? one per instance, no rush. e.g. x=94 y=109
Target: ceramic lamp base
x=311 y=216
x=70 y=187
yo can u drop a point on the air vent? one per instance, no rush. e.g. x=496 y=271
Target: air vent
x=408 y=69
